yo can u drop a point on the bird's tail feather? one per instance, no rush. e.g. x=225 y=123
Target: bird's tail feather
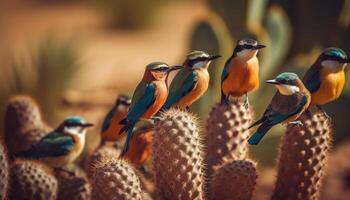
x=256 y=123
x=127 y=142
x=223 y=97
x=259 y=134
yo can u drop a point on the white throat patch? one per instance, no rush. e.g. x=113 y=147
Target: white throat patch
x=201 y=64
x=333 y=65
x=287 y=89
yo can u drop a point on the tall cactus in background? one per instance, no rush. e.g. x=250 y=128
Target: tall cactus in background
x=303 y=157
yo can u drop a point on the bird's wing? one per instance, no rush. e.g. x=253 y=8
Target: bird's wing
x=107 y=120
x=226 y=69
x=54 y=144
x=143 y=98
x=312 y=79
x=182 y=84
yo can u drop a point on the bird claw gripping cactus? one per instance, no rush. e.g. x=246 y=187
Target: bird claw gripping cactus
x=234 y=180
x=23 y=124
x=4 y=172
x=32 y=180
x=227 y=134
x=178 y=157
x=72 y=186
x=303 y=157
x=115 y=179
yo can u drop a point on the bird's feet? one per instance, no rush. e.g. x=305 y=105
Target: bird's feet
x=156 y=118
x=296 y=123
x=324 y=113
x=188 y=109
x=246 y=101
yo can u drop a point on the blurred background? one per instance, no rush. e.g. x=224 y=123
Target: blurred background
x=76 y=56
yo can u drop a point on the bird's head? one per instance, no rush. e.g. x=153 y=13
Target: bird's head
x=287 y=83
x=199 y=59
x=74 y=125
x=160 y=70
x=123 y=102
x=333 y=59
x=247 y=48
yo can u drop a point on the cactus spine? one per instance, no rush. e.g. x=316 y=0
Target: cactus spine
x=178 y=157
x=115 y=179
x=4 y=172
x=32 y=180
x=235 y=180
x=303 y=157
x=227 y=134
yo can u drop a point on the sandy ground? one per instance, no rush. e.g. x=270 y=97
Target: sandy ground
x=110 y=58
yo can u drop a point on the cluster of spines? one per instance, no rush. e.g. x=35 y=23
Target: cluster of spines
x=178 y=156
x=115 y=179
x=4 y=171
x=227 y=134
x=303 y=157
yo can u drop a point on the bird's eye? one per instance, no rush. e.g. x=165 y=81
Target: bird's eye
x=162 y=69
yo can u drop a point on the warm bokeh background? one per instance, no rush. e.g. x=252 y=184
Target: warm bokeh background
x=76 y=56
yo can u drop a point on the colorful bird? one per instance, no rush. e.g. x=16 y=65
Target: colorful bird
x=61 y=146
x=326 y=78
x=141 y=144
x=241 y=71
x=148 y=98
x=289 y=102
x=191 y=81
x=111 y=126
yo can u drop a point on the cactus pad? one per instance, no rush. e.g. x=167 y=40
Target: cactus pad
x=4 y=172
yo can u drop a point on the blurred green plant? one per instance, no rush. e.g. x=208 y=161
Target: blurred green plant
x=130 y=14
x=44 y=74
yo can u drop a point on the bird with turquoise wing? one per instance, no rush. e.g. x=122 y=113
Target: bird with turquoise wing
x=111 y=126
x=191 y=82
x=148 y=98
x=326 y=77
x=61 y=146
x=290 y=101
x=241 y=71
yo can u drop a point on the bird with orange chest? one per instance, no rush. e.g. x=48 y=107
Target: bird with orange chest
x=111 y=126
x=141 y=145
x=241 y=71
x=148 y=98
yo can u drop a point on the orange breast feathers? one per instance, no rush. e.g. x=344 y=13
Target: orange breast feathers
x=332 y=85
x=198 y=91
x=161 y=96
x=111 y=133
x=140 y=148
x=243 y=77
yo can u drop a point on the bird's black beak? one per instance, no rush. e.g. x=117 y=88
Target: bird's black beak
x=174 y=67
x=273 y=81
x=87 y=125
x=259 y=46
x=213 y=57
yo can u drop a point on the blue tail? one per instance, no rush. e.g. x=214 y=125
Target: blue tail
x=127 y=142
x=255 y=138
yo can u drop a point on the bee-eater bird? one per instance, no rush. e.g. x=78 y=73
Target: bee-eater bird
x=289 y=102
x=62 y=146
x=111 y=126
x=141 y=145
x=241 y=71
x=326 y=77
x=148 y=98
x=191 y=82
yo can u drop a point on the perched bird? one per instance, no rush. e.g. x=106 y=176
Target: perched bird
x=241 y=71
x=111 y=126
x=326 y=78
x=148 y=98
x=289 y=102
x=191 y=81
x=61 y=146
x=141 y=145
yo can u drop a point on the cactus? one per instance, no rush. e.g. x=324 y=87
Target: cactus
x=23 y=124
x=102 y=153
x=234 y=181
x=227 y=134
x=72 y=186
x=178 y=156
x=115 y=179
x=303 y=157
x=4 y=172
x=32 y=180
